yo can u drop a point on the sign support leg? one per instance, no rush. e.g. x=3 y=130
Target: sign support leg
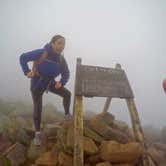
x=78 y=131
x=137 y=127
x=107 y=104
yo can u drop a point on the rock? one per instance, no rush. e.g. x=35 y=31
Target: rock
x=50 y=131
x=106 y=117
x=4 y=161
x=50 y=144
x=86 y=164
x=93 y=135
x=90 y=147
x=64 y=159
x=47 y=159
x=119 y=153
x=104 y=164
x=4 y=134
x=157 y=156
x=20 y=135
x=93 y=159
x=5 y=122
x=15 y=155
x=67 y=123
x=30 y=132
x=151 y=162
x=4 y=144
x=107 y=132
x=62 y=142
x=70 y=136
x=120 y=125
x=19 y=122
x=35 y=151
x=163 y=135
x=1 y=161
x=124 y=165
x=160 y=146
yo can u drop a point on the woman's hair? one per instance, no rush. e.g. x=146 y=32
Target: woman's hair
x=55 y=38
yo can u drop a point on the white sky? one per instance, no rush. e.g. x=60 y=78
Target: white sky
x=103 y=33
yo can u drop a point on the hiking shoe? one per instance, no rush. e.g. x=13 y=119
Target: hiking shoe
x=68 y=117
x=37 y=139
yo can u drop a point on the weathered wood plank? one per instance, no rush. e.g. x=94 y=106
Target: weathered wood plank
x=139 y=135
x=107 y=104
x=78 y=132
x=102 y=82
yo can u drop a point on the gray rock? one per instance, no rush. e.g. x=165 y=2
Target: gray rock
x=16 y=154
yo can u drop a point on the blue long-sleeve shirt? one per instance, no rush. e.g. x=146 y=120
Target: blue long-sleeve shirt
x=46 y=68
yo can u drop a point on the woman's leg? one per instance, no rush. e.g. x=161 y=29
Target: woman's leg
x=37 y=108
x=65 y=94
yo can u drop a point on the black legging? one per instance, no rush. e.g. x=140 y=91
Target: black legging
x=37 y=102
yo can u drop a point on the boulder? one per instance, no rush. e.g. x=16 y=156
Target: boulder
x=47 y=159
x=87 y=164
x=120 y=125
x=103 y=164
x=123 y=165
x=70 y=136
x=4 y=144
x=107 y=132
x=119 y=153
x=93 y=159
x=19 y=122
x=160 y=146
x=15 y=155
x=20 y=135
x=93 y=135
x=35 y=151
x=163 y=135
x=50 y=131
x=106 y=117
x=90 y=147
x=157 y=156
x=65 y=159
x=62 y=140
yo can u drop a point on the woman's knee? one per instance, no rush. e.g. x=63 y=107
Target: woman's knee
x=67 y=94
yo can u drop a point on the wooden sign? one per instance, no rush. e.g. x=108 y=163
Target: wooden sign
x=103 y=82
x=93 y=81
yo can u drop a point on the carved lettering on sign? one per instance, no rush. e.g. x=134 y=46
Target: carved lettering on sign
x=104 y=82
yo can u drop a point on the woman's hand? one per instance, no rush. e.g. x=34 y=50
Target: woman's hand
x=58 y=85
x=31 y=74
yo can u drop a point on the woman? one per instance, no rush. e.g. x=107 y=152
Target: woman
x=49 y=63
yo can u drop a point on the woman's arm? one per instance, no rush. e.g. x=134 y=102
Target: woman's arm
x=27 y=57
x=64 y=73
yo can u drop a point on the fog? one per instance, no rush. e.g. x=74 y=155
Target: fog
x=102 y=33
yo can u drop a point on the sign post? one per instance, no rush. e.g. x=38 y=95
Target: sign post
x=78 y=126
x=98 y=81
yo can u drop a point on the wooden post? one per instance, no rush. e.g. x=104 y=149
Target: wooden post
x=78 y=132
x=137 y=127
x=78 y=62
x=108 y=100
x=78 y=127
x=107 y=104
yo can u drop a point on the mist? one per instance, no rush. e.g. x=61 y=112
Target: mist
x=102 y=33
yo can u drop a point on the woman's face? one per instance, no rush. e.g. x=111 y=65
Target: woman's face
x=58 y=46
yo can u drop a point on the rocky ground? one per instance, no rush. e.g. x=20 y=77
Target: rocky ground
x=107 y=142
